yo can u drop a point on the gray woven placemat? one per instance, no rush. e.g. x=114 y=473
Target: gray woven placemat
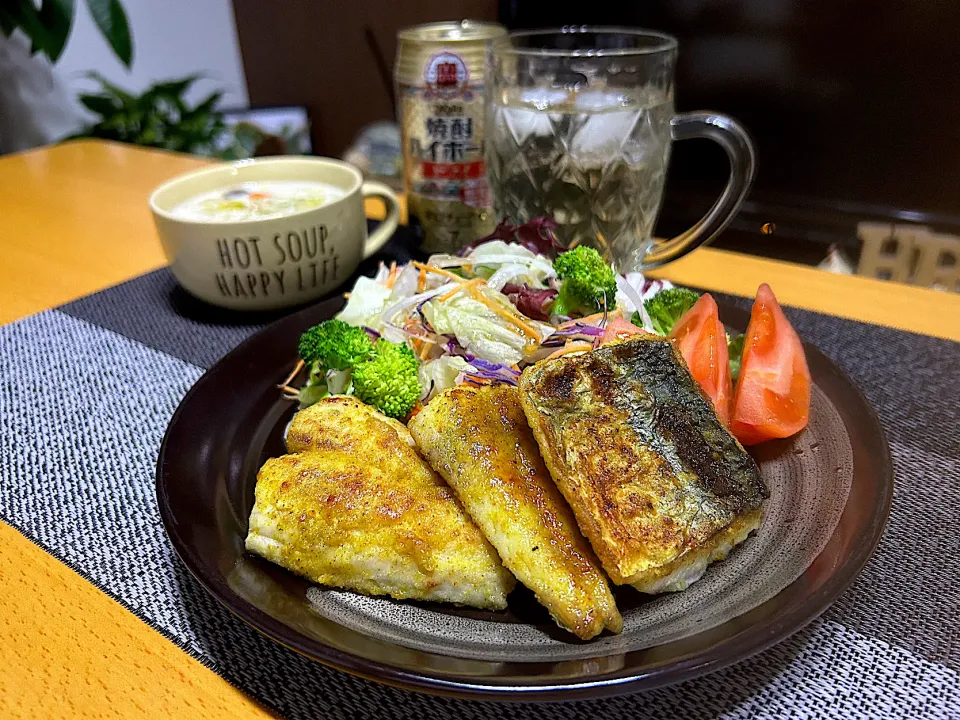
x=86 y=392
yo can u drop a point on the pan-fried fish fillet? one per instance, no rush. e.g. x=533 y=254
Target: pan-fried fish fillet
x=479 y=441
x=341 y=422
x=356 y=507
x=657 y=483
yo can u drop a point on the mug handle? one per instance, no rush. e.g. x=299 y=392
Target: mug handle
x=378 y=238
x=731 y=136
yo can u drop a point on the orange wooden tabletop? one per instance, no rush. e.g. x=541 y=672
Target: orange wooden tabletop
x=73 y=220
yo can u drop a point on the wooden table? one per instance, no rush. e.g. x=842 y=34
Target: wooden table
x=74 y=220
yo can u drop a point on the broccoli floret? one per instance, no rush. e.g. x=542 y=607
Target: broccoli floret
x=388 y=379
x=322 y=383
x=588 y=282
x=342 y=360
x=313 y=391
x=668 y=306
x=335 y=345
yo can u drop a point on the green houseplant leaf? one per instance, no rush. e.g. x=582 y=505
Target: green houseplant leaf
x=158 y=117
x=57 y=17
x=208 y=103
x=7 y=22
x=47 y=27
x=174 y=88
x=125 y=98
x=102 y=105
x=111 y=19
x=24 y=14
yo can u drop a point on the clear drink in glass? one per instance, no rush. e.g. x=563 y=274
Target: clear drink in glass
x=579 y=125
x=594 y=161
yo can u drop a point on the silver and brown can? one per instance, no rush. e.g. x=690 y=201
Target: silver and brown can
x=440 y=100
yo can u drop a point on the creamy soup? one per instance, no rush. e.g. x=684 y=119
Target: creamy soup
x=257 y=200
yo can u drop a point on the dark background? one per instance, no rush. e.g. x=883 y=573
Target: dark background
x=854 y=104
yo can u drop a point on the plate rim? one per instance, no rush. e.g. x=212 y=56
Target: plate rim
x=727 y=651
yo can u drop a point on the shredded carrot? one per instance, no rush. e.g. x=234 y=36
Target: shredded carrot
x=438 y=271
x=466 y=285
x=589 y=319
x=475 y=380
x=447 y=295
x=571 y=347
x=425 y=350
x=346 y=296
x=392 y=277
x=296 y=368
x=503 y=312
x=413 y=326
x=421 y=343
x=416 y=409
x=422 y=281
x=473 y=287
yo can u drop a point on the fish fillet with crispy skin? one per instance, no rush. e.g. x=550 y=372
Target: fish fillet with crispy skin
x=354 y=506
x=479 y=441
x=657 y=483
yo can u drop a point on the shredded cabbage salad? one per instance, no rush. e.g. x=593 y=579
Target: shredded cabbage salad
x=481 y=317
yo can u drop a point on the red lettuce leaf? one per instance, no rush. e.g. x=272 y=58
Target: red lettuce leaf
x=537 y=236
x=533 y=302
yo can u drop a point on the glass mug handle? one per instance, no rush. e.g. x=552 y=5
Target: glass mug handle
x=731 y=136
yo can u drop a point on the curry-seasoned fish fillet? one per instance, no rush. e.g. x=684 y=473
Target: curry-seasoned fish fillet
x=657 y=483
x=356 y=507
x=341 y=422
x=479 y=441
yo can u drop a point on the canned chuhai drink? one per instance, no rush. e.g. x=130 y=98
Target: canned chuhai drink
x=440 y=97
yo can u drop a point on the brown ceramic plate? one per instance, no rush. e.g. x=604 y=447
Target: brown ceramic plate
x=830 y=493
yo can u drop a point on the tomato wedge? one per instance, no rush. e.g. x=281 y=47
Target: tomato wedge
x=772 y=398
x=702 y=341
x=618 y=329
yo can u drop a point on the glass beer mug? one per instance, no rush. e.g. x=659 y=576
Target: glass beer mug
x=579 y=125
